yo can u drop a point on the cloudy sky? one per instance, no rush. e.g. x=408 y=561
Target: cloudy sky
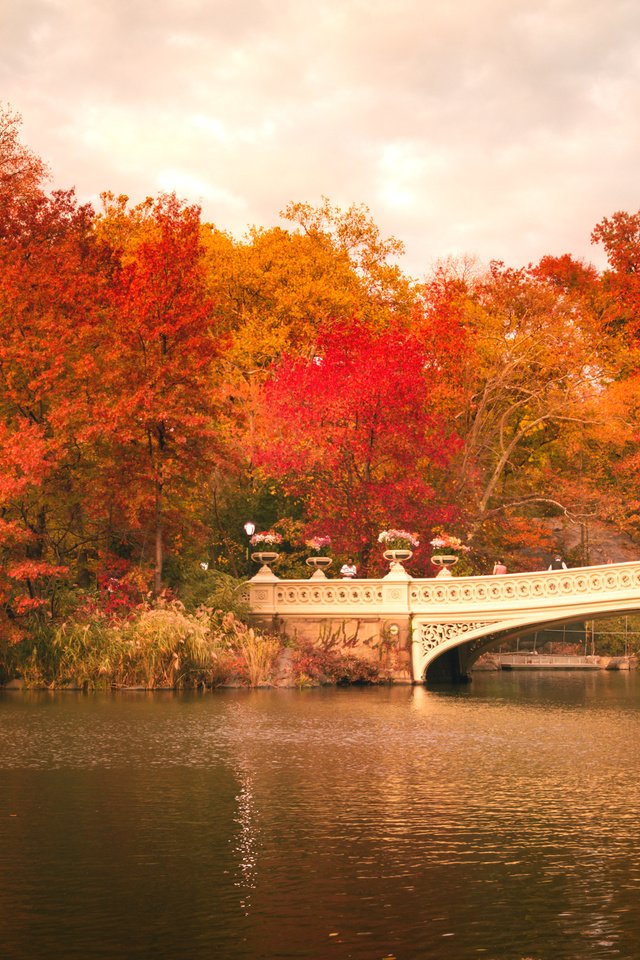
x=495 y=128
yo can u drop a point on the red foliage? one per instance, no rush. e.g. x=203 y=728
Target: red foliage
x=331 y=666
x=49 y=291
x=620 y=236
x=122 y=586
x=354 y=434
x=149 y=413
x=36 y=570
x=566 y=273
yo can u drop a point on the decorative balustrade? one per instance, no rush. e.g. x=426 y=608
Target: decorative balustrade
x=439 y=613
x=495 y=593
x=506 y=589
x=328 y=593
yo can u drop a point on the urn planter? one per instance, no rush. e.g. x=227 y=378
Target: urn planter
x=444 y=562
x=265 y=557
x=396 y=560
x=319 y=564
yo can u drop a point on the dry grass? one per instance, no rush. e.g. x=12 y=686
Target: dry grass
x=161 y=645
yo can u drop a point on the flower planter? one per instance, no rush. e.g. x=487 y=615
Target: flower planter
x=396 y=559
x=265 y=557
x=320 y=564
x=444 y=561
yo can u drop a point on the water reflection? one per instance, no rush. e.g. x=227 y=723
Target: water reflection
x=498 y=819
x=245 y=846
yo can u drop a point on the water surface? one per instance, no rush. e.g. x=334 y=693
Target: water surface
x=497 y=820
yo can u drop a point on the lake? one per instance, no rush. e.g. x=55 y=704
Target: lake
x=498 y=820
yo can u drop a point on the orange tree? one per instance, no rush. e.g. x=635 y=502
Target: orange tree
x=150 y=414
x=50 y=285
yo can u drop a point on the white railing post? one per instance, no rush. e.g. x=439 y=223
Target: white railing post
x=262 y=596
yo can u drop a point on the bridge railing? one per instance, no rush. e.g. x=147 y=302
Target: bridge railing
x=508 y=594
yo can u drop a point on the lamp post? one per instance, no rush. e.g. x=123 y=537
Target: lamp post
x=249 y=529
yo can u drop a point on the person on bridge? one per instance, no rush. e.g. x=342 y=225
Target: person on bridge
x=348 y=570
x=557 y=563
x=499 y=567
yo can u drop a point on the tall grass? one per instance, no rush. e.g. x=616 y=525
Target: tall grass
x=259 y=654
x=158 y=645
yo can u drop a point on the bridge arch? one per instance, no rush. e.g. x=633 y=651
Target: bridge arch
x=451 y=658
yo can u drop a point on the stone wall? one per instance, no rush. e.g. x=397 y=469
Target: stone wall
x=383 y=642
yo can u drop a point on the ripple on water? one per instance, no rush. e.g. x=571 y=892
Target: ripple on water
x=499 y=818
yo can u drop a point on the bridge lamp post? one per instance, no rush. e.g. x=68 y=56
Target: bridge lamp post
x=249 y=529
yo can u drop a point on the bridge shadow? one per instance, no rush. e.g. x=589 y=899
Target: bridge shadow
x=446 y=670
x=454 y=665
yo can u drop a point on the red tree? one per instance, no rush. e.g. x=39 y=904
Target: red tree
x=352 y=432
x=620 y=237
x=50 y=279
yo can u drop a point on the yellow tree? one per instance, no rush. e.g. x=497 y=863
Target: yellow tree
x=533 y=367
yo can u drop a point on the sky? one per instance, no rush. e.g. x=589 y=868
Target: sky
x=495 y=129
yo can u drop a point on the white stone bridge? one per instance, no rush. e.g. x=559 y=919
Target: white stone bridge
x=440 y=626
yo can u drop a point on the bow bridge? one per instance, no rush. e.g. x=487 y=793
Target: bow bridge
x=434 y=629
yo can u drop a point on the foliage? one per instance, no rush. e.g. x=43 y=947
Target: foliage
x=330 y=429
x=146 y=414
x=257 y=654
x=532 y=374
x=21 y=171
x=162 y=382
x=444 y=544
x=619 y=636
x=158 y=645
x=312 y=664
x=227 y=594
x=331 y=658
x=398 y=540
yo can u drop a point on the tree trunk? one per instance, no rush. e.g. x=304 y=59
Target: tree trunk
x=159 y=554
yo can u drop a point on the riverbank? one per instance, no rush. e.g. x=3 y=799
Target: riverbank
x=165 y=647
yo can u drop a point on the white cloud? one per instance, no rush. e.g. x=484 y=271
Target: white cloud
x=488 y=127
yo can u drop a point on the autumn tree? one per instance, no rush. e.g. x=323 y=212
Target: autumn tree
x=50 y=287
x=27 y=580
x=22 y=172
x=275 y=291
x=612 y=445
x=151 y=415
x=353 y=234
x=351 y=432
x=620 y=237
x=529 y=379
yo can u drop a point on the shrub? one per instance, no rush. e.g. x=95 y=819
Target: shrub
x=322 y=665
x=159 y=645
x=164 y=646
x=228 y=595
x=156 y=645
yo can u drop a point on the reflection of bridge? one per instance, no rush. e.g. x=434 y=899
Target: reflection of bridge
x=448 y=622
